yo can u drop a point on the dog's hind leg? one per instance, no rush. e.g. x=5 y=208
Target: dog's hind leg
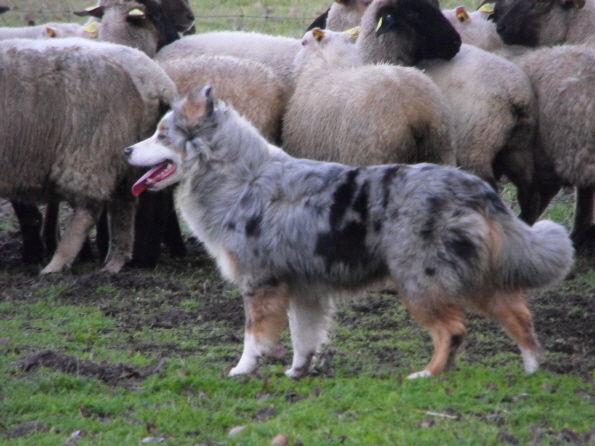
x=510 y=309
x=266 y=317
x=445 y=324
x=309 y=322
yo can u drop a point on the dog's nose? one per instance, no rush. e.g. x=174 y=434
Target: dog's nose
x=128 y=151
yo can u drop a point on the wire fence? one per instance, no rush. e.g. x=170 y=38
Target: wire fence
x=258 y=17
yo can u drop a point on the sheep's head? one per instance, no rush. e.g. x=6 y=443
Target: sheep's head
x=406 y=32
x=522 y=22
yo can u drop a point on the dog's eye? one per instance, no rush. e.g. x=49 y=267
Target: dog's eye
x=160 y=136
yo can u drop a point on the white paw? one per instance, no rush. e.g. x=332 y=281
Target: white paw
x=294 y=373
x=422 y=374
x=235 y=371
x=531 y=360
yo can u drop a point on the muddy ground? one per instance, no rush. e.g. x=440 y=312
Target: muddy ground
x=564 y=315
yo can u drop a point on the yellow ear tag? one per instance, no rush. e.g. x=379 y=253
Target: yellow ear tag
x=462 y=15
x=136 y=13
x=354 y=32
x=488 y=8
x=379 y=24
x=50 y=31
x=91 y=28
x=318 y=34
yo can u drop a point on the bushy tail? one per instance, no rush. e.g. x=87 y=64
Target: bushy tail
x=535 y=257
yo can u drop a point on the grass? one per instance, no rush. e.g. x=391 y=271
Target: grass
x=183 y=311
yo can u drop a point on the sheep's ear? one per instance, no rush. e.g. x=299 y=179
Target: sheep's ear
x=461 y=13
x=51 y=32
x=92 y=29
x=94 y=11
x=318 y=34
x=352 y=33
x=487 y=8
x=577 y=4
x=136 y=16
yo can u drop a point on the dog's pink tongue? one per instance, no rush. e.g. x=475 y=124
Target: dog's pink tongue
x=147 y=179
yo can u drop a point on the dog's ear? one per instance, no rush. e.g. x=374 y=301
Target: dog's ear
x=199 y=104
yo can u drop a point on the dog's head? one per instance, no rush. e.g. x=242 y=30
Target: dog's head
x=180 y=142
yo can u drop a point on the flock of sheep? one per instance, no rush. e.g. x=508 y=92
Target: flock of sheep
x=411 y=84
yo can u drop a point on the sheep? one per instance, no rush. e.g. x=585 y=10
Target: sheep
x=276 y=52
x=45 y=31
x=58 y=96
x=238 y=82
x=546 y=22
x=345 y=14
x=141 y=24
x=493 y=99
x=562 y=78
x=357 y=114
x=138 y=24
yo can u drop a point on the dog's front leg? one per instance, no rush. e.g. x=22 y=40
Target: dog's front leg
x=266 y=317
x=309 y=322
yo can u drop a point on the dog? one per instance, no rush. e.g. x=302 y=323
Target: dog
x=296 y=235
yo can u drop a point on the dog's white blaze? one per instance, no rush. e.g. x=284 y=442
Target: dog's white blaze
x=530 y=360
x=149 y=153
x=423 y=374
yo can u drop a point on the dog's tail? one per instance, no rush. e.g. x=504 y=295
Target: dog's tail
x=534 y=257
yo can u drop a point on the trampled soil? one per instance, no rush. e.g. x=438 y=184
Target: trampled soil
x=564 y=316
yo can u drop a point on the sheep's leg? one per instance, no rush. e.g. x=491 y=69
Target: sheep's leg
x=518 y=166
x=72 y=241
x=445 y=324
x=583 y=215
x=511 y=311
x=149 y=228
x=121 y=212
x=30 y=222
x=266 y=317
x=172 y=235
x=309 y=322
x=51 y=228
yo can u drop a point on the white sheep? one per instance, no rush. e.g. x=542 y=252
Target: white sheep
x=253 y=88
x=546 y=22
x=277 y=52
x=46 y=31
x=562 y=77
x=64 y=138
x=492 y=99
x=357 y=114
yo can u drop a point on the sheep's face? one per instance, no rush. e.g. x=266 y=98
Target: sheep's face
x=406 y=32
x=520 y=22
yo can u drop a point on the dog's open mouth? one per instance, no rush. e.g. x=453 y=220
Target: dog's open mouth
x=154 y=176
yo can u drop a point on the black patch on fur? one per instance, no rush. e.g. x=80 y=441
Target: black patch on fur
x=253 y=226
x=387 y=179
x=378 y=225
x=430 y=271
x=342 y=198
x=345 y=240
x=360 y=205
x=231 y=226
x=460 y=245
